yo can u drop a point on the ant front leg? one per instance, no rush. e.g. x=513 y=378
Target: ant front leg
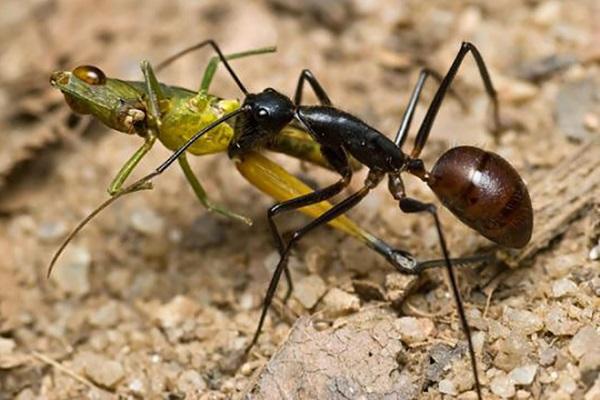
x=339 y=161
x=436 y=103
x=409 y=205
x=372 y=180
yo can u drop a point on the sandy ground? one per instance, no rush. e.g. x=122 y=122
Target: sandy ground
x=156 y=297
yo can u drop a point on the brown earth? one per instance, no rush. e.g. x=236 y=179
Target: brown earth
x=156 y=298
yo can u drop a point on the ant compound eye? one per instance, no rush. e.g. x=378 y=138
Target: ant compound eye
x=90 y=74
x=262 y=113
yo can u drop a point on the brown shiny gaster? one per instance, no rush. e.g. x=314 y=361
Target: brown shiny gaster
x=486 y=193
x=90 y=74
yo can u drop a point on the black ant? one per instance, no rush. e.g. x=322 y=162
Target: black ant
x=480 y=188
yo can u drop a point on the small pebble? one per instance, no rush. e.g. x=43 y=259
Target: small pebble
x=548 y=356
x=566 y=383
x=71 y=273
x=143 y=284
x=147 y=221
x=398 y=286
x=26 y=394
x=523 y=321
x=316 y=259
x=247 y=301
x=7 y=345
x=587 y=340
x=191 y=382
x=271 y=261
x=478 y=339
x=248 y=368
x=105 y=316
x=573 y=103
x=547 y=13
x=414 y=330
x=523 y=375
x=562 y=265
x=595 y=286
x=558 y=322
x=513 y=351
x=594 y=254
x=101 y=370
x=50 y=231
x=522 y=394
x=502 y=386
x=136 y=386
x=446 y=386
x=309 y=290
x=516 y=91
x=591 y=122
x=563 y=287
x=338 y=303
x=179 y=309
x=590 y=362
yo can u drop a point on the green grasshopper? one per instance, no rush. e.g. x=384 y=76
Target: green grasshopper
x=172 y=115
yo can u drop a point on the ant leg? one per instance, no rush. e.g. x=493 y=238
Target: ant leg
x=402 y=132
x=272 y=179
x=409 y=205
x=201 y=193
x=307 y=75
x=329 y=215
x=436 y=103
x=338 y=159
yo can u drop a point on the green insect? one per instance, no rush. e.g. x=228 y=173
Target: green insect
x=172 y=115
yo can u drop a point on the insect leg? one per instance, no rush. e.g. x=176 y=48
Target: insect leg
x=117 y=183
x=436 y=103
x=201 y=193
x=402 y=133
x=338 y=159
x=155 y=94
x=217 y=50
x=307 y=75
x=409 y=205
x=272 y=179
x=211 y=68
x=329 y=215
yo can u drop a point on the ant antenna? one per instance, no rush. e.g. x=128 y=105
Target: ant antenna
x=216 y=48
x=132 y=188
x=141 y=184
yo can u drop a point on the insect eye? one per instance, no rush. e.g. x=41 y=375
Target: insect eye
x=262 y=113
x=90 y=74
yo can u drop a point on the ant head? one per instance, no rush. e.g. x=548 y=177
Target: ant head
x=270 y=109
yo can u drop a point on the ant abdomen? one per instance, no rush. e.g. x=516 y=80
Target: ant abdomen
x=486 y=193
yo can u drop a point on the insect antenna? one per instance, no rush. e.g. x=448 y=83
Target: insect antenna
x=141 y=184
x=87 y=219
x=216 y=48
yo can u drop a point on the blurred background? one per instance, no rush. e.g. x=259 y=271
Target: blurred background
x=155 y=296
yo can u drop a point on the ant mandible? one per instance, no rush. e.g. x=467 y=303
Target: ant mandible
x=479 y=187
